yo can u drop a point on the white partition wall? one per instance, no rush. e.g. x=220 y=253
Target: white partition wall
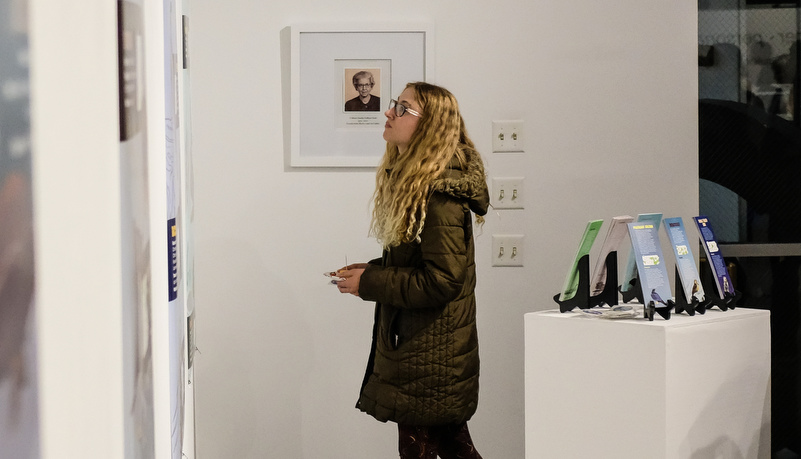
x=104 y=366
x=75 y=135
x=183 y=30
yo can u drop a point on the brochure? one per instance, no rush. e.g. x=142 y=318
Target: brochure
x=614 y=312
x=617 y=231
x=685 y=261
x=572 y=278
x=651 y=269
x=631 y=267
x=716 y=262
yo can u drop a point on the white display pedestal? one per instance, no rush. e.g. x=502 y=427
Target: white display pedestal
x=688 y=387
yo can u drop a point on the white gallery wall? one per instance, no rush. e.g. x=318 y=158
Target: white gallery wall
x=608 y=96
x=77 y=233
x=83 y=409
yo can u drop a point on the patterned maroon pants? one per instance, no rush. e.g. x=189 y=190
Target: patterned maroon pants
x=449 y=442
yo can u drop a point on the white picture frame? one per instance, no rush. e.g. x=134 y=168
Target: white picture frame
x=323 y=60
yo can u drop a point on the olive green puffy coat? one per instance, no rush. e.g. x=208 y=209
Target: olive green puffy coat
x=424 y=365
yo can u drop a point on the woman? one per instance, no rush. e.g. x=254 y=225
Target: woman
x=424 y=366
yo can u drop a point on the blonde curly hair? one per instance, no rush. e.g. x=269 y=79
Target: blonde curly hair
x=404 y=182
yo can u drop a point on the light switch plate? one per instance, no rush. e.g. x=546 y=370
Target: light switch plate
x=507 y=193
x=507 y=249
x=507 y=136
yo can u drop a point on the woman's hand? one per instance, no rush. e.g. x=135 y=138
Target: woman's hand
x=351 y=276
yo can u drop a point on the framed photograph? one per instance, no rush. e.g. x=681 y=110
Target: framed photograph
x=342 y=78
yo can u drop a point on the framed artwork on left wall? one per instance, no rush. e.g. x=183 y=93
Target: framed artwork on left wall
x=341 y=79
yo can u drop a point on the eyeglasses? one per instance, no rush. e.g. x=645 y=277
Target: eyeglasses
x=363 y=86
x=401 y=109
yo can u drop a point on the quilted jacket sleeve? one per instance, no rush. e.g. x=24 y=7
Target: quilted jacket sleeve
x=431 y=273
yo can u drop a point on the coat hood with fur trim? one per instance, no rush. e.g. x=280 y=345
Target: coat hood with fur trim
x=466 y=181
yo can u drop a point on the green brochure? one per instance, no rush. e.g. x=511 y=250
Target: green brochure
x=572 y=279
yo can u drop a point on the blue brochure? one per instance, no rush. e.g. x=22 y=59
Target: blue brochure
x=716 y=261
x=631 y=268
x=685 y=261
x=651 y=269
